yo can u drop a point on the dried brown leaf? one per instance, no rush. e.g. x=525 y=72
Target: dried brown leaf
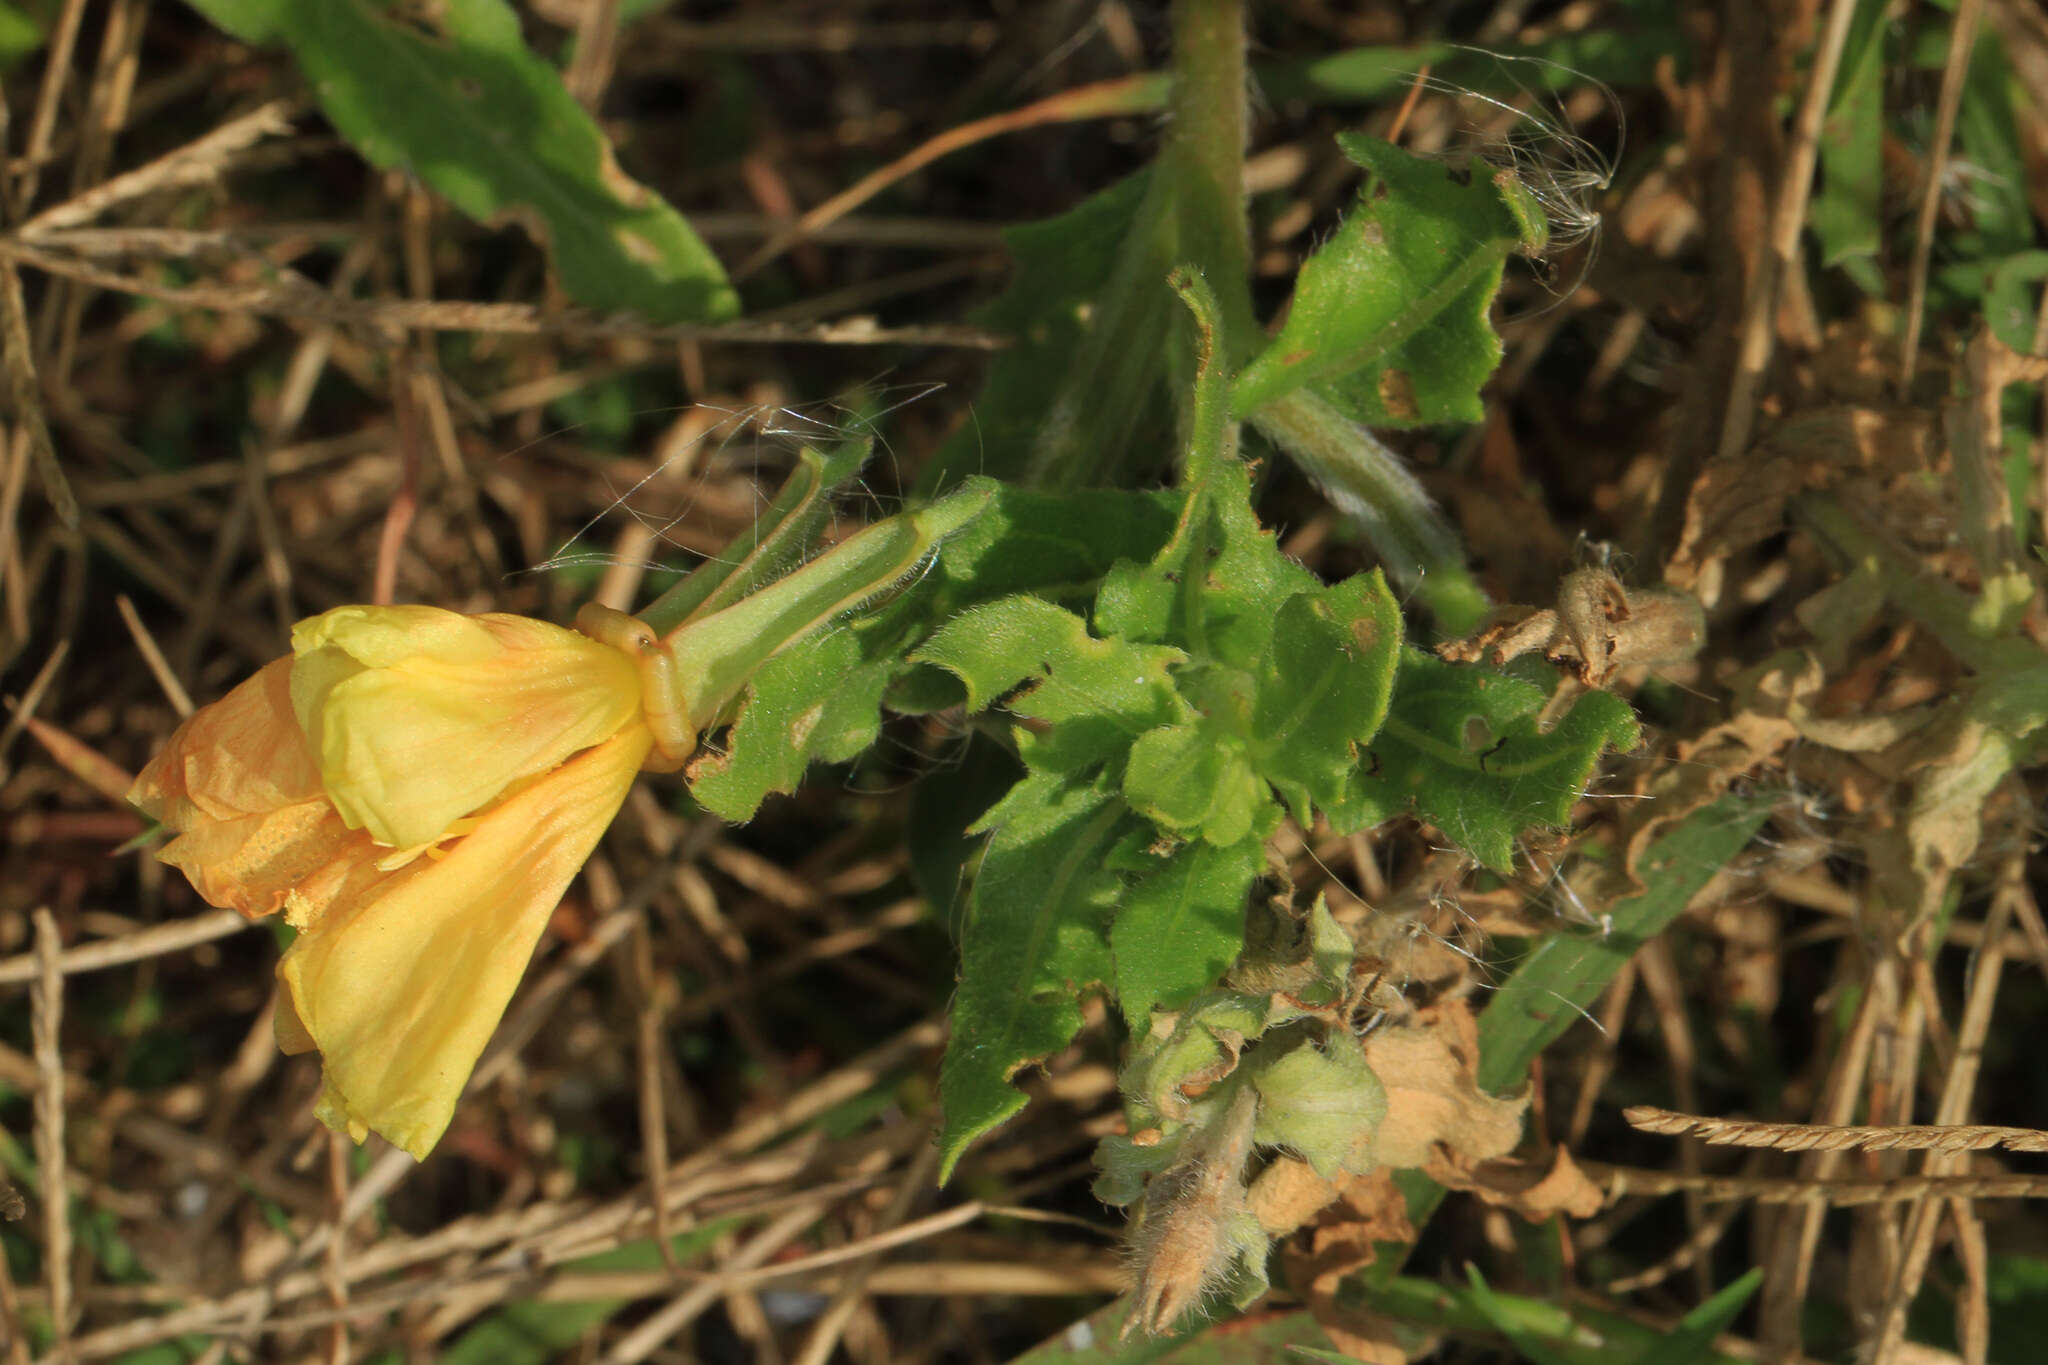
x=1363 y=1212
x=1432 y=1094
x=1536 y=1191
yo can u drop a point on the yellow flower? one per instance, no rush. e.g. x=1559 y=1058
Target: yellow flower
x=414 y=789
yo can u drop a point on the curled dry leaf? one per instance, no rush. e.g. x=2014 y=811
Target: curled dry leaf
x=1536 y=1190
x=1597 y=629
x=1737 y=503
x=1427 y=1070
x=1355 y=1214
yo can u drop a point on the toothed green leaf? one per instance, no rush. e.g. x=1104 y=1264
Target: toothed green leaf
x=1102 y=693
x=820 y=700
x=1197 y=781
x=1180 y=927
x=1035 y=937
x=1460 y=747
x=1323 y=689
x=1391 y=312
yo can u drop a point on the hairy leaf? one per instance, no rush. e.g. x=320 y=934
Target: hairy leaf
x=1323 y=688
x=1461 y=747
x=1068 y=289
x=1102 y=693
x=474 y=113
x=1034 y=938
x=1394 y=305
x=1216 y=586
x=1052 y=544
x=1196 y=780
x=821 y=699
x=1180 y=927
x=1324 y=1106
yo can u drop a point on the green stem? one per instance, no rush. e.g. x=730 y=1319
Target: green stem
x=779 y=537
x=715 y=653
x=1204 y=160
x=1369 y=483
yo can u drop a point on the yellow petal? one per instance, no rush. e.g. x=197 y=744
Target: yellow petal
x=420 y=716
x=401 y=989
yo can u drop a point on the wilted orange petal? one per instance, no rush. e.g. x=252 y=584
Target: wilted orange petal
x=257 y=863
x=401 y=987
x=238 y=786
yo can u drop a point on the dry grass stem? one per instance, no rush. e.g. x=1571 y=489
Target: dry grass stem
x=1834 y=1191
x=302 y=303
x=1957 y=1095
x=1962 y=42
x=198 y=162
x=18 y=359
x=672 y=1317
x=1812 y=1137
x=1788 y=218
x=51 y=1181
x=136 y=947
x=1104 y=100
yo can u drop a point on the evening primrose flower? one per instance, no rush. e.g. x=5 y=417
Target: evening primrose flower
x=414 y=789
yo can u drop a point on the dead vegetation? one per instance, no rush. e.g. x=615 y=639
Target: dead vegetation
x=251 y=378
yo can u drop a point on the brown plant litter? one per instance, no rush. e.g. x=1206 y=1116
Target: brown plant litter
x=247 y=378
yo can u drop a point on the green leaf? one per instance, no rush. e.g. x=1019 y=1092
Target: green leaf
x=1035 y=937
x=2010 y=305
x=1052 y=544
x=1461 y=747
x=1395 y=304
x=2001 y=219
x=1216 y=586
x=1040 y=404
x=476 y=115
x=20 y=34
x=1580 y=1333
x=1323 y=689
x=1847 y=210
x=1325 y=1106
x=944 y=805
x=821 y=699
x=1102 y=693
x=1179 y=928
x=1561 y=975
x=1506 y=1318
x=1196 y=781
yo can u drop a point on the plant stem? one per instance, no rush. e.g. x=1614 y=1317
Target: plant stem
x=715 y=654
x=1368 y=483
x=1204 y=160
x=779 y=537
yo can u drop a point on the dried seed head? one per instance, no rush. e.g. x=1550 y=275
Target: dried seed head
x=1198 y=1223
